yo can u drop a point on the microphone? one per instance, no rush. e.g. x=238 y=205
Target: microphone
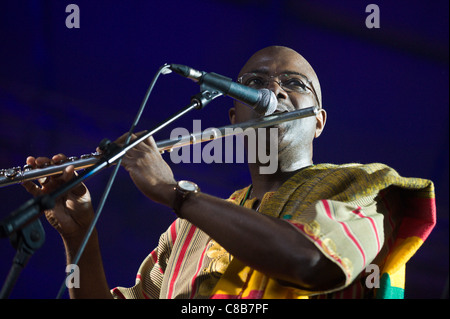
x=263 y=101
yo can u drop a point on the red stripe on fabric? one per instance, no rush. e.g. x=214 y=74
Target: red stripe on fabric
x=340 y=294
x=198 y=270
x=173 y=232
x=353 y=292
x=180 y=260
x=360 y=213
x=145 y=295
x=154 y=256
x=420 y=218
x=346 y=230
x=118 y=293
x=347 y=293
x=138 y=276
x=316 y=239
x=254 y=294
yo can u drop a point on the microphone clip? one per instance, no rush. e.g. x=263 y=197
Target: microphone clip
x=206 y=95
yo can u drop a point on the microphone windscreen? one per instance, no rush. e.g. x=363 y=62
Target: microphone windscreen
x=268 y=102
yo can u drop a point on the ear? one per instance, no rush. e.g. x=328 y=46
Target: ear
x=321 y=118
x=232 y=115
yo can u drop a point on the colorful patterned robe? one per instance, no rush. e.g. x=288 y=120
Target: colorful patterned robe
x=365 y=218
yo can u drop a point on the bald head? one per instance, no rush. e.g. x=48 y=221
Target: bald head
x=280 y=59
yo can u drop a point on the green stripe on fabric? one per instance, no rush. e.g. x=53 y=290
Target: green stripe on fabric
x=387 y=291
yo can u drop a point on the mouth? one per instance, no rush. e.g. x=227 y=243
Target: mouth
x=281 y=108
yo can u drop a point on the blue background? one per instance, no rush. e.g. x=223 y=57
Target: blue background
x=64 y=90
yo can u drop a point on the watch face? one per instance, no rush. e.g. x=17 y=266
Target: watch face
x=188 y=186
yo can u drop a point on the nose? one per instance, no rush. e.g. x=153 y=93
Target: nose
x=276 y=88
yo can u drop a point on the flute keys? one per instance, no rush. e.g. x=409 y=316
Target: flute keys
x=10 y=172
x=18 y=174
x=168 y=150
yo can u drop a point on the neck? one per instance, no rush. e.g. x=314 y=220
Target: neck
x=263 y=183
x=288 y=155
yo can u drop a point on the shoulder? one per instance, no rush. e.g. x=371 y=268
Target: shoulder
x=351 y=167
x=351 y=172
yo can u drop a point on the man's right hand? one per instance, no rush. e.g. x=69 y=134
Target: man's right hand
x=71 y=217
x=73 y=211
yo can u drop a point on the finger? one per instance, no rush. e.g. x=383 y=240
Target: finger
x=52 y=182
x=59 y=158
x=31 y=161
x=121 y=140
x=43 y=180
x=43 y=161
x=151 y=142
x=32 y=188
x=68 y=173
x=56 y=159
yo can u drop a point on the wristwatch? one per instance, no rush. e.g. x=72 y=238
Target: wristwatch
x=182 y=191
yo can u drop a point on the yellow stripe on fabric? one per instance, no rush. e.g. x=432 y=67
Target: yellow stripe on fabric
x=243 y=282
x=256 y=284
x=403 y=250
x=233 y=279
x=276 y=291
x=398 y=278
x=261 y=286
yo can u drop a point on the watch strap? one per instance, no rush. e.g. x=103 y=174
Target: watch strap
x=180 y=197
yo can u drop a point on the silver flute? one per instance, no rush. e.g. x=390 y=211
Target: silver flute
x=16 y=175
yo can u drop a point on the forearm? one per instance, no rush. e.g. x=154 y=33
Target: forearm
x=93 y=284
x=267 y=244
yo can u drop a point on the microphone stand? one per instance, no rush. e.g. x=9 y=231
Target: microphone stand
x=23 y=226
x=26 y=241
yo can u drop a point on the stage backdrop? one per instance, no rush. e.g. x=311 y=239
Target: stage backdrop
x=70 y=77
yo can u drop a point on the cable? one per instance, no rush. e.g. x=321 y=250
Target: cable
x=162 y=70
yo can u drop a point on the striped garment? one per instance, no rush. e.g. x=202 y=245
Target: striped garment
x=362 y=217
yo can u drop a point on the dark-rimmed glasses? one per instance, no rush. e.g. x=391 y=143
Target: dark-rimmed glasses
x=289 y=82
